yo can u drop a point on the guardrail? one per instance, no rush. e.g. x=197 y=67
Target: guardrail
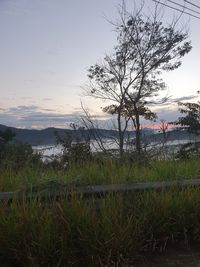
x=96 y=191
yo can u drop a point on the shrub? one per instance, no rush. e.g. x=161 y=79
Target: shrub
x=17 y=155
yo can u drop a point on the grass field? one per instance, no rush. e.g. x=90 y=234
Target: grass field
x=105 y=172
x=114 y=231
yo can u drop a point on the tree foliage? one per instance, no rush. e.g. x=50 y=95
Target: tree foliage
x=16 y=155
x=128 y=79
x=191 y=120
x=75 y=149
x=6 y=136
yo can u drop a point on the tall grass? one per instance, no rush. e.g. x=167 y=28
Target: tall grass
x=105 y=172
x=109 y=232
x=114 y=231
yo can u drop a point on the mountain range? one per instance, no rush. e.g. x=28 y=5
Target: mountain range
x=47 y=136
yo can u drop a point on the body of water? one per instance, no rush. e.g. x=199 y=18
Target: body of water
x=49 y=151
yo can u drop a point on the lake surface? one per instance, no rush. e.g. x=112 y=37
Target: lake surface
x=49 y=151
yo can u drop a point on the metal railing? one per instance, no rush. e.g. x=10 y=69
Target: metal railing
x=96 y=191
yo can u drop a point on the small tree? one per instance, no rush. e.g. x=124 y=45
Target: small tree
x=6 y=136
x=16 y=155
x=76 y=146
x=128 y=78
x=191 y=120
x=163 y=126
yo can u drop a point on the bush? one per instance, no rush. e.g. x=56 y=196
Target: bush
x=188 y=151
x=17 y=155
x=77 y=151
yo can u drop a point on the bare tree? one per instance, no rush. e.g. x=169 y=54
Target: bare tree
x=129 y=78
x=164 y=125
x=92 y=129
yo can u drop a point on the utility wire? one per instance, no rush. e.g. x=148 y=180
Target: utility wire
x=185 y=7
x=174 y=8
x=186 y=1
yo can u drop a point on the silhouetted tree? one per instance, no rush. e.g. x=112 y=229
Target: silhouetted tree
x=76 y=146
x=6 y=136
x=163 y=126
x=16 y=155
x=191 y=120
x=128 y=79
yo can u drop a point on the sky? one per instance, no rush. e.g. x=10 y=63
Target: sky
x=48 y=45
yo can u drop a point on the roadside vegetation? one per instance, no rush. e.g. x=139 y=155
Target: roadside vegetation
x=119 y=229
x=94 y=173
x=115 y=231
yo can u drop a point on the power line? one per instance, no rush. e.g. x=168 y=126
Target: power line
x=174 y=8
x=191 y=4
x=185 y=7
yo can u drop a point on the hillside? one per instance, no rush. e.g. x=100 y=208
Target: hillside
x=47 y=136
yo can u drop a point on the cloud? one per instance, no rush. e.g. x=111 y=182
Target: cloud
x=29 y=116
x=184 y=98
x=169 y=110
x=47 y=99
x=165 y=101
x=169 y=113
x=22 y=110
x=34 y=116
x=48 y=109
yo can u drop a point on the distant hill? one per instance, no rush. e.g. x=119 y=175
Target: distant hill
x=37 y=137
x=176 y=134
x=47 y=136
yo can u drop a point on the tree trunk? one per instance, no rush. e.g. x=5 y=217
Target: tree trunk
x=137 y=134
x=121 y=136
